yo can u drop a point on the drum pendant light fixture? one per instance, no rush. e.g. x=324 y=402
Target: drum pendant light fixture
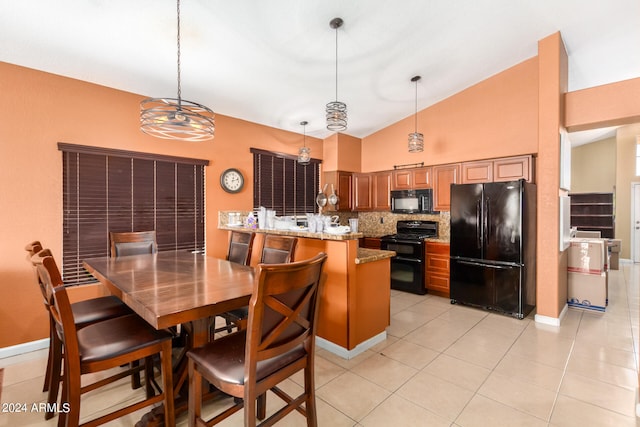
x=176 y=118
x=336 y=110
x=416 y=139
x=304 y=154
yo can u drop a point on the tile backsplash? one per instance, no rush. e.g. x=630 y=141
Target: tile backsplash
x=376 y=224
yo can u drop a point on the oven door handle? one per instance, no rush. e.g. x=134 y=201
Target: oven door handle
x=401 y=258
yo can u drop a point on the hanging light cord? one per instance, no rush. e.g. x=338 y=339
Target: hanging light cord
x=337 y=63
x=416 y=110
x=179 y=88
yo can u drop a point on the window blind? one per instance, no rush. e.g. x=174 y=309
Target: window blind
x=115 y=190
x=282 y=184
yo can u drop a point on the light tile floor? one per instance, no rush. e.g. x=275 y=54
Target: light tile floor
x=442 y=365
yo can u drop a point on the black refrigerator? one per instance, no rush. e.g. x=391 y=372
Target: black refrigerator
x=493 y=246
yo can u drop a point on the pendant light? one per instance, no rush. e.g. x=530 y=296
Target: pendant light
x=304 y=154
x=416 y=139
x=176 y=118
x=336 y=110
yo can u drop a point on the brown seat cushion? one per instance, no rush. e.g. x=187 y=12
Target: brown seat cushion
x=224 y=359
x=110 y=338
x=102 y=308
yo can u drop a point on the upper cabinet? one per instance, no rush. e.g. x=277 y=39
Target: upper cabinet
x=371 y=191
x=381 y=191
x=407 y=179
x=514 y=168
x=362 y=195
x=343 y=185
x=503 y=169
x=443 y=177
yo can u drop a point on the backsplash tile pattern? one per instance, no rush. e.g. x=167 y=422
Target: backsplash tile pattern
x=377 y=224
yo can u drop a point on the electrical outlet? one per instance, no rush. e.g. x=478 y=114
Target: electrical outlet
x=381 y=220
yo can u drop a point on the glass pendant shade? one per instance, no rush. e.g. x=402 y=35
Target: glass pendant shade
x=416 y=139
x=304 y=154
x=336 y=110
x=416 y=142
x=176 y=118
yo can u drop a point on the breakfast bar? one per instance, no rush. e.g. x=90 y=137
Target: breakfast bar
x=354 y=310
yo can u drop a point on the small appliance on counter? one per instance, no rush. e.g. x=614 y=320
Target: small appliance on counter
x=407 y=267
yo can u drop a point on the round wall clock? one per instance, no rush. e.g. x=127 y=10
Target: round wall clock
x=232 y=180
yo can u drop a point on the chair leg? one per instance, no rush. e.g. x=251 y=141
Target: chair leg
x=167 y=378
x=195 y=394
x=70 y=394
x=47 y=375
x=55 y=374
x=262 y=406
x=148 y=376
x=135 y=378
x=310 y=404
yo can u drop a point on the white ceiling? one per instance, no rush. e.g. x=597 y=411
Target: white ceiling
x=273 y=62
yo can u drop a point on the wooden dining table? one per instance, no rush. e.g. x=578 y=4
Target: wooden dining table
x=175 y=289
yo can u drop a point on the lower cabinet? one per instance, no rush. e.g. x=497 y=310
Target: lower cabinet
x=437 y=269
x=370 y=242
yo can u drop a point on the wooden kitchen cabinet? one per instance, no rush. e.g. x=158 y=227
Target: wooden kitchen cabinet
x=362 y=194
x=437 y=269
x=371 y=191
x=514 y=168
x=381 y=191
x=408 y=179
x=343 y=184
x=443 y=177
x=498 y=170
x=370 y=242
x=477 y=172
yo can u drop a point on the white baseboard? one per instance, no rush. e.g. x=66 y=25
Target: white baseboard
x=552 y=321
x=350 y=354
x=27 y=347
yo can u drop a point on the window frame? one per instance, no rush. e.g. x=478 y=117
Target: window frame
x=282 y=184
x=118 y=190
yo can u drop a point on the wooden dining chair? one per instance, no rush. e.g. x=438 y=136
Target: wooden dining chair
x=239 y=251
x=85 y=312
x=278 y=342
x=275 y=250
x=278 y=249
x=132 y=243
x=101 y=346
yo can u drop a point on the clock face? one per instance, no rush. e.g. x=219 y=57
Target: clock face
x=232 y=180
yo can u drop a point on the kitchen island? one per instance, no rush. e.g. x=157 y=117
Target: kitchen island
x=354 y=309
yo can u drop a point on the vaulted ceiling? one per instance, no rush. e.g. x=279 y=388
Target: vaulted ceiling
x=274 y=62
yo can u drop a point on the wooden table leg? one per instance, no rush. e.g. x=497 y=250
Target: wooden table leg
x=197 y=335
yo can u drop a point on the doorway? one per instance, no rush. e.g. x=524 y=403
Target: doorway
x=635 y=221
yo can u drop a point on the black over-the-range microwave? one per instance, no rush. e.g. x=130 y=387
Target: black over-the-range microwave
x=412 y=201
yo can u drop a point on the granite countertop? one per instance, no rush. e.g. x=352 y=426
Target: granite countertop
x=306 y=234
x=366 y=255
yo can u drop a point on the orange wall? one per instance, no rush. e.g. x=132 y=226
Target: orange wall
x=612 y=104
x=494 y=118
x=39 y=110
